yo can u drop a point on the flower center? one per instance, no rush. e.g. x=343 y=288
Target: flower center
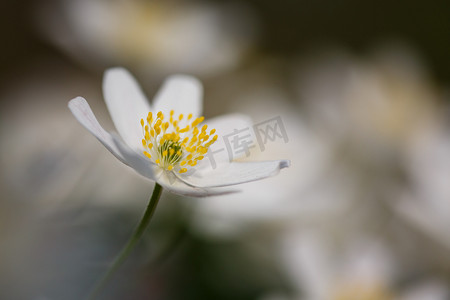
x=176 y=144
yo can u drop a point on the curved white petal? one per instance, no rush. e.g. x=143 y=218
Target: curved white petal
x=83 y=113
x=126 y=103
x=170 y=182
x=223 y=150
x=136 y=160
x=181 y=93
x=235 y=173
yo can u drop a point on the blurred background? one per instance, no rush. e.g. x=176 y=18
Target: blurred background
x=362 y=89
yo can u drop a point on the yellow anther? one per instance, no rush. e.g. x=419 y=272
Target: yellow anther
x=144 y=143
x=157 y=161
x=158 y=130
x=183 y=170
x=179 y=152
x=182 y=163
x=166 y=125
x=199 y=157
x=170 y=168
x=146 y=128
x=175 y=123
x=159 y=114
x=180 y=117
x=204 y=127
x=185 y=129
x=150 y=146
x=172 y=112
x=147 y=154
x=212 y=131
x=142 y=122
x=189 y=116
x=189 y=157
x=197 y=121
x=152 y=132
x=172 y=152
x=147 y=136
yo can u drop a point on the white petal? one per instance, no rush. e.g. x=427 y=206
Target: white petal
x=235 y=173
x=181 y=93
x=83 y=113
x=126 y=103
x=136 y=160
x=223 y=150
x=170 y=182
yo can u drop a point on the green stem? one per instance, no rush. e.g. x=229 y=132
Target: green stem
x=122 y=256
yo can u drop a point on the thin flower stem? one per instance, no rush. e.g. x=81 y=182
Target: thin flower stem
x=126 y=250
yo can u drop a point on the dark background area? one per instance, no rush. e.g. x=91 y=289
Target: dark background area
x=289 y=27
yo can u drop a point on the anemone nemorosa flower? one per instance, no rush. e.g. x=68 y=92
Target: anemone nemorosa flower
x=168 y=141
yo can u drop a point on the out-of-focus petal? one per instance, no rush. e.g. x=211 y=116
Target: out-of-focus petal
x=227 y=125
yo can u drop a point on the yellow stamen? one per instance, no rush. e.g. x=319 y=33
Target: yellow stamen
x=176 y=146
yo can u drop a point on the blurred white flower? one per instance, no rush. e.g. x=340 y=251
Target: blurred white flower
x=426 y=203
x=376 y=105
x=432 y=289
x=168 y=151
x=360 y=269
x=321 y=267
x=149 y=36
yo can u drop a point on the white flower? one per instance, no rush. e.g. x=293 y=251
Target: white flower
x=425 y=204
x=360 y=268
x=161 y=36
x=363 y=269
x=169 y=147
x=375 y=106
